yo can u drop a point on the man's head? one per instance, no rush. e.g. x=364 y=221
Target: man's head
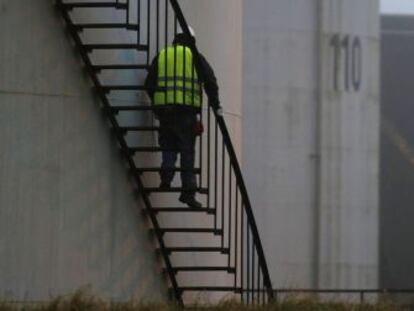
x=182 y=38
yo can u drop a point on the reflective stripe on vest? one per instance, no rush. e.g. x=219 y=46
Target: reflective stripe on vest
x=177 y=78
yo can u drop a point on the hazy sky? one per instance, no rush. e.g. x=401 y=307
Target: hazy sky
x=397 y=6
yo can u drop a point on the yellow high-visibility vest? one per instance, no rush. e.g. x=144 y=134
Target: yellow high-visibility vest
x=178 y=82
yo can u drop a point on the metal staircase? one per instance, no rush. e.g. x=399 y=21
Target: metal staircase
x=221 y=252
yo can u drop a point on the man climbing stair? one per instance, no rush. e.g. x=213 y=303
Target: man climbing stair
x=176 y=90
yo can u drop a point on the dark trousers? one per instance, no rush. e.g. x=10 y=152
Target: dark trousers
x=177 y=136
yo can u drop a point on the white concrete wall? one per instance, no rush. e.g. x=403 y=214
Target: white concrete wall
x=280 y=87
x=68 y=213
x=311 y=153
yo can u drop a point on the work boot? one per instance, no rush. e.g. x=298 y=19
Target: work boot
x=190 y=201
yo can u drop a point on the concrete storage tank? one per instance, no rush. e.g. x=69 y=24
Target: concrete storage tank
x=310 y=138
x=68 y=210
x=309 y=76
x=69 y=217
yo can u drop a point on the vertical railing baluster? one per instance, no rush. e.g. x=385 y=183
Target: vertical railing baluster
x=165 y=46
x=157 y=25
x=230 y=212
x=215 y=173
x=223 y=177
x=148 y=28
x=200 y=94
x=258 y=282
x=236 y=237
x=184 y=72
x=242 y=251
x=127 y=13
x=248 y=262
x=208 y=154
x=139 y=23
x=263 y=291
x=253 y=271
x=175 y=58
x=200 y=156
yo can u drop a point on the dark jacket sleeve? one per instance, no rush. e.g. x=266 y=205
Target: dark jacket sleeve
x=151 y=80
x=210 y=83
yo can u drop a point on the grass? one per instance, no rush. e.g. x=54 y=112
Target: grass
x=82 y=300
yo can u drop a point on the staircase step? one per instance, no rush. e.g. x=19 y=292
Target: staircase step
x=116 y=109
x=134 y=150
x=140 y=128
x=109 y=88
x=159 y=169
x=197 y=250
x=183 y=210
x=115 y=46
x=210 y=289
x=172 y=189
x=81 y=27
x=192 y=230
x=204 y=269
x=119 y=67
x=72 y=5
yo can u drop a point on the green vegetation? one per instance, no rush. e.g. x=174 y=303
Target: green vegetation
x=82 y=301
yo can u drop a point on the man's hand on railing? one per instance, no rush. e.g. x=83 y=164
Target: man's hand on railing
x=199 y=128
x=217 y=107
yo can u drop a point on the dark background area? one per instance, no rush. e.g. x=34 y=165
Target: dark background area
x=397 y=162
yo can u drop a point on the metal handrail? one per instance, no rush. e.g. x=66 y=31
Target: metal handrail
x=240 y=240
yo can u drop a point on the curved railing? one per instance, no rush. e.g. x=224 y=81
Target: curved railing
x=240 y=234
x=152 y=25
